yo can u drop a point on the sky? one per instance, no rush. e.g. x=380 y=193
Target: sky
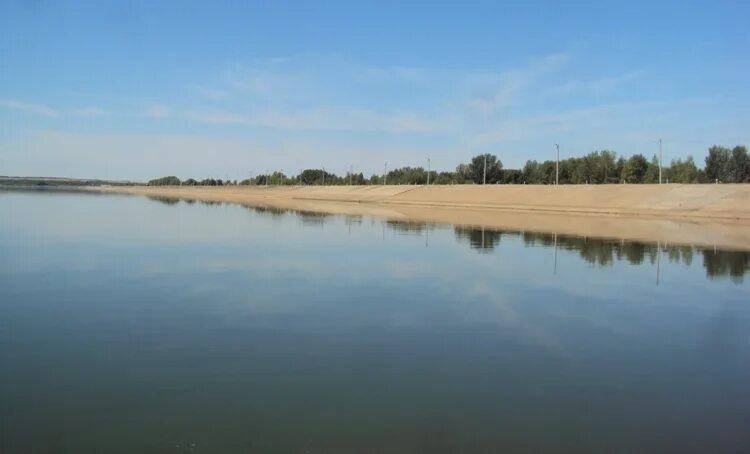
x=136 y=90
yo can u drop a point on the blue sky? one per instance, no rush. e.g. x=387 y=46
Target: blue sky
x=133 y=90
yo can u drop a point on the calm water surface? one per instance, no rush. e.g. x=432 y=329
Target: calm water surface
x=136 y=325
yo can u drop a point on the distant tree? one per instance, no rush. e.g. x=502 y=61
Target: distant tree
x=635 y=169
x=652 y=172
x=318 y=177
x=531 y=173
x=407 y=175
x=477 y=169
x=739 y=165
x=619 y=167
x=681 y=171
x=443 y=178
x=165 y=181
x=357 y=179
x=512 y=176
x=463 y=173
x=605 y=172
x=717 y=164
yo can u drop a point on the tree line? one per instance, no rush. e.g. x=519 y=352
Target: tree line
x=722 y=165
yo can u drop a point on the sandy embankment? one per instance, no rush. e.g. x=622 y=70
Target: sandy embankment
x=708 y=215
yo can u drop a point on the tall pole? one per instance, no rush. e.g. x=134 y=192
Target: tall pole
x=385 y=173
x=484 y=176
x=324 y=176
x=350 y=174
x=557 y=166
x=428 y=171
x=660 y=161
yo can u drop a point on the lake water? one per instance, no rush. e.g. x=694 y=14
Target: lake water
x=130 y=324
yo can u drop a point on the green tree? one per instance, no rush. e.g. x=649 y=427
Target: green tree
x=477 y=169
x=652 y=172
x=739 y=165
x=717 y=164
x=683 y=171
x=635 y=169
x=165 y=181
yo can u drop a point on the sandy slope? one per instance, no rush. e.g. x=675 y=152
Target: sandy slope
x=717 y=215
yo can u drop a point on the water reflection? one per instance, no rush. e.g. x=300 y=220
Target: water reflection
x=129 y=325
x=163 y=199
x=479 y=238
x=596 y=251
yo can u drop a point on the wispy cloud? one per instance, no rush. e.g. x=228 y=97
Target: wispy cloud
x=323 y=119
x=598 y=86
x=35 y=109
x=329 y=94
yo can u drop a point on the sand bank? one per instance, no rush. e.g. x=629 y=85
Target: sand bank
x=707 y=215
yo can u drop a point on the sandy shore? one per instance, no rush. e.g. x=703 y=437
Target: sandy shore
x=707 y=215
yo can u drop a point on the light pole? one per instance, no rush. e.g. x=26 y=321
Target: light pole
x=660 y=161
x=484 y=175
x=557 y=166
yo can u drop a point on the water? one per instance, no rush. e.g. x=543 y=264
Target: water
x=136 y=325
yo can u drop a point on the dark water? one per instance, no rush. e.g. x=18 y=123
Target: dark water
x=135 y=325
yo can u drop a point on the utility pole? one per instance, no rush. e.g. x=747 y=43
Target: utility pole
x=428 y=171
x=484 y=176
x=557 y=166
x=385 y=173
x=660 y=161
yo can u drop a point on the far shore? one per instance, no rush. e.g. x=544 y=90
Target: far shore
x=704 y=215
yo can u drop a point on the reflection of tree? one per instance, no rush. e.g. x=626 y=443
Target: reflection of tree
x=407 y=227
x=164 y=200
x=726 y=263
x=211 y=203
x=481 y=239
x=312 y=218
x=269 y=210
x=682 y=254
x=605 y=252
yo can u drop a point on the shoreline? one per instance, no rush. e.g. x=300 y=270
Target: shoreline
x=701 y=215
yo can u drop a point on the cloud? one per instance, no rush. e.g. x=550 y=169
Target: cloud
x=312 y=111
x=598 y=86
x=36 y=109
x=494 y=92
x=329 y=94
x=324 y=119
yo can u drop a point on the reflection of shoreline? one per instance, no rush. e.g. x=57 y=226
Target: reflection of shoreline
x=603 y=252
x=594 y=250
x=708 y=233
